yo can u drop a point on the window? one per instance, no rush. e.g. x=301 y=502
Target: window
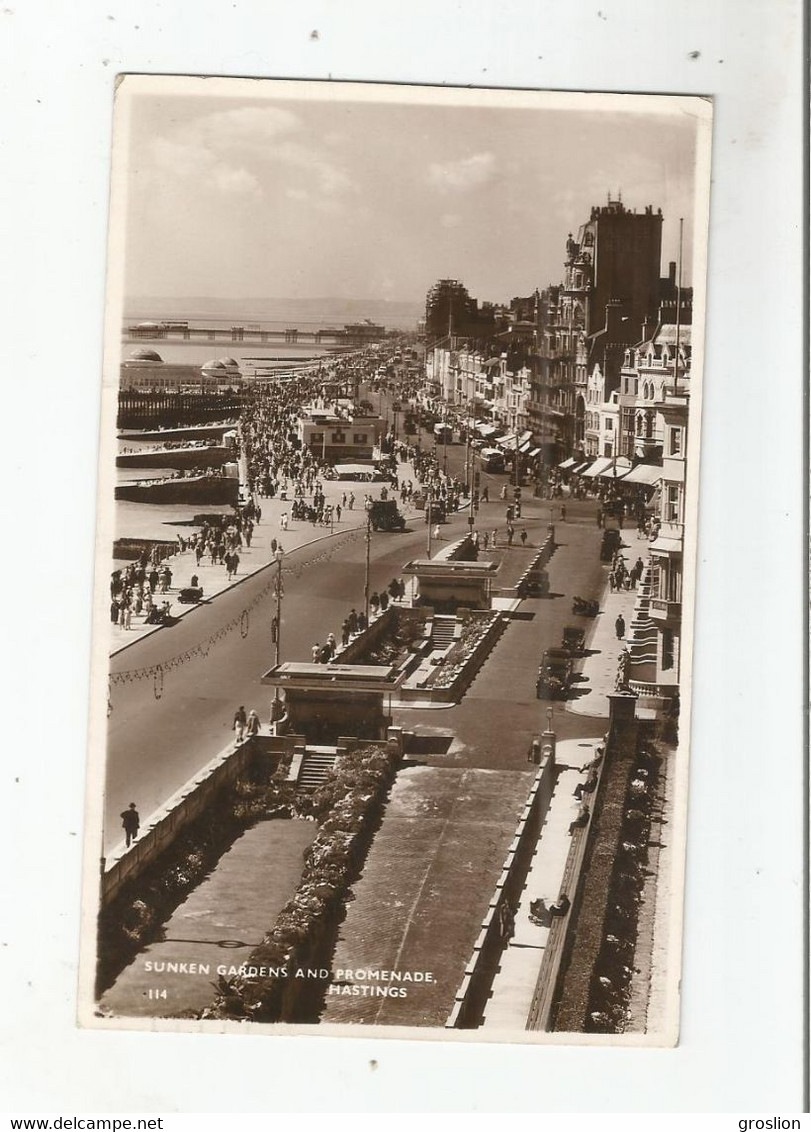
x=316 y=438
x=668 y=650
x=359 y=438
x=675 y=442
x=609 y=424
x=339 y=438
x=673 y=504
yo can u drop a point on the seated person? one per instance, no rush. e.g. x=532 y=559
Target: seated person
x=561 y=906
x=581 y=820
x=538 y=909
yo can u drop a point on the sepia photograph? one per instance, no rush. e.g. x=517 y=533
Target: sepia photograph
x=396 y=545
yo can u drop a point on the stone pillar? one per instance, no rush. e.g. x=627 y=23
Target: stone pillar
x=621 y=708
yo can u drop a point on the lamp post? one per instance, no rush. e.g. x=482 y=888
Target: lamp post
x=368 y=550
x=429 y=515
x=278 y=555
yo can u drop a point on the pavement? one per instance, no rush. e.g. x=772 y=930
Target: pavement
x=598 y=671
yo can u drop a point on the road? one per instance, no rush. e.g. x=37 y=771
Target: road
x=157 y=744
x=160 y=733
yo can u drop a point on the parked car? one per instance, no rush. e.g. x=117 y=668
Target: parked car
x=554 y=675
x=574 y=639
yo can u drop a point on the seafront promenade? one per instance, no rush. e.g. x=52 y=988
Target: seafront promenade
x=298 y=533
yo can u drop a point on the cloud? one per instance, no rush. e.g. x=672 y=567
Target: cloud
x=247 y=149
x=464 y=174
x=190 y=160
x=253 y=126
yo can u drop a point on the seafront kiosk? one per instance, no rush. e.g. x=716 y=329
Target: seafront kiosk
x=447 y=586
x=325 y=701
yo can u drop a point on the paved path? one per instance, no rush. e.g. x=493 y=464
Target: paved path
x=599 y=668
x=220 y=922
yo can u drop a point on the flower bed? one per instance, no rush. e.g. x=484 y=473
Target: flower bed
x=596 y=987
x=405 y=637
x=475 y=627
x=346 y=808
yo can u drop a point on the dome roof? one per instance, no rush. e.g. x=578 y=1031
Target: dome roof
x=212 y=365
x=145 y=355
x=230 y=363
x=148 y=326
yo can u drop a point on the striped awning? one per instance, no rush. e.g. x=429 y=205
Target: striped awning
x=570 y=463
x=643 y=473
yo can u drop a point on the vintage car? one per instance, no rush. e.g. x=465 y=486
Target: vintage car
x=384 y=515
x=554 y=675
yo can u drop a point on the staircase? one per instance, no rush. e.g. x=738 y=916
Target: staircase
x=442 y=635
x=315 y=766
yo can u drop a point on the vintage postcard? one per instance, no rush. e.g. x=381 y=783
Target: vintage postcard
x=395 y=563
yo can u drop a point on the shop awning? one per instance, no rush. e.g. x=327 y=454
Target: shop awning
x=597 y=467
x=525 y=436
x=534 y=452
x=507 y=441
x=570 y=463
x=617 y=469
x=643 y=473
x=578 y=471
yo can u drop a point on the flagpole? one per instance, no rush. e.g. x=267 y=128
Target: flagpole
x=678 y=312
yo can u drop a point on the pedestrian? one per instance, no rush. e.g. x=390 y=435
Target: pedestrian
x=374 y=603
x=253 y=725
x=563 y=513
x=240 y=721
x=523 y=537
x=345 y=634
x=599 y=516
x=234 y=563
x=332 y=644
x=612 y=581
x=127 y=616
x=316 y=652
x=619 y=625
x=510 y=535
x=131 y=821
x=384 y=601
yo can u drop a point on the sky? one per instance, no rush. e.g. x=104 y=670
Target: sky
x=237 y=197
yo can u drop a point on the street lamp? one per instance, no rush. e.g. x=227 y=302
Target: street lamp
x=429 y=513
x=277 y=621
x=368 y=550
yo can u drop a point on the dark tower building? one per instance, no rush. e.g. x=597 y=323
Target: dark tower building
x=449 y=310
x=624 y=251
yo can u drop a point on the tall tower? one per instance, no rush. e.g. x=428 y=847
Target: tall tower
x=624 y=250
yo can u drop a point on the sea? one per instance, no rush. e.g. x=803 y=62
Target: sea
x=158 y=521
x=258 y=314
